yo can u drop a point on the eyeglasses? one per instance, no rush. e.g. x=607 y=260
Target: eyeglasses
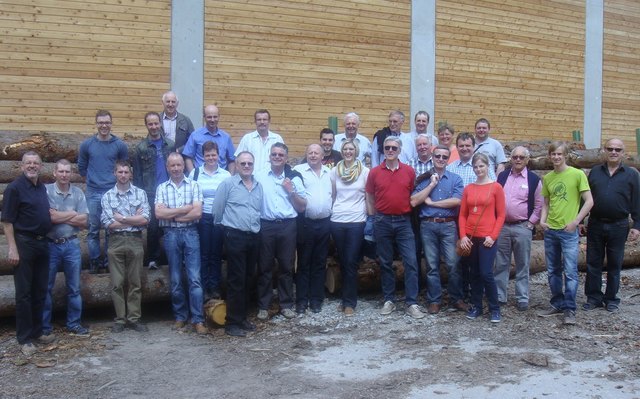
x=518 y=157
x=390 y=148
x=440 y=156
x=612 y=149
x=246 y=163
x=277 y=155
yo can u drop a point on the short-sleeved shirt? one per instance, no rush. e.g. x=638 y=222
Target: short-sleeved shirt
x=126 y=203
x=26 y=206
x=193 y=148
x=494 y=150
x=72 y=200
x=391 y=188
x=208 y=185
x=563 y=190
x=464 y=170
x=275 y=200
x=318 y=191
x=177 y=195
x=260 y=149
x=237 y=207
x=449 y=186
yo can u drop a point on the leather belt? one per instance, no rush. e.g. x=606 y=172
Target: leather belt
x=31 y=235
x=62 y=240
x=127 y=233
x=438 y=220
x=517 y=222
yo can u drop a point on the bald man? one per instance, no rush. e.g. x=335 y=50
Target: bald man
x=210 y=132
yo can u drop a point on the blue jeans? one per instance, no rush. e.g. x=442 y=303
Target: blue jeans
x=561 y=253
x=183 y=245
x=390 y=229
x=605 y=239
x=68 y=257
x=93 y=236
x=439 y=239
x=211 y=238
x=348 y=239
x=481 y=274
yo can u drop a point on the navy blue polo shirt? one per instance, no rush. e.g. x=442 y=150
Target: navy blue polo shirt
x=26 y=206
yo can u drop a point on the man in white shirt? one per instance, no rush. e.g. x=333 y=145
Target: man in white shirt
x=259 y=142
x=351 y=126
x=409 y=150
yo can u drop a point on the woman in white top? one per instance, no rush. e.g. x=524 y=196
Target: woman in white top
x=348 y=218
x=209 y=176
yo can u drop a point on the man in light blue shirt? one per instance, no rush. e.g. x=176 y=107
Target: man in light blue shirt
x=210 y=132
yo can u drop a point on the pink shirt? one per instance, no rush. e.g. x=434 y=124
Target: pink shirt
x=516 y=191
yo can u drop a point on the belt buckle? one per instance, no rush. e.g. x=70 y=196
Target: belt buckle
x=438 y=220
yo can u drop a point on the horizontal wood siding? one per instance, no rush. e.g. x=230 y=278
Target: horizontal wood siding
x=306 y=61
x=517 y=63
x=621 y=76
x=61 y=60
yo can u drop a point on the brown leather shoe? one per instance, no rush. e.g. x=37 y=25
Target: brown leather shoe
x=433 y=308
x=178 y=325
x=200 y=329
x=460 y=305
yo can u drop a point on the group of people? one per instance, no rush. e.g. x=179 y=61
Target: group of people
x=422 y=195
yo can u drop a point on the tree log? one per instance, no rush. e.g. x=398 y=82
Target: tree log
x=369 y=278
x=51 y=146
x=9 y=170
x=95 y=290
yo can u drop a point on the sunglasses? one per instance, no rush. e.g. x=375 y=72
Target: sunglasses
x=390 y=148
x=612 y=149
x=518 y=157
x=277 y=155
x=440 y=156
x=246 y=163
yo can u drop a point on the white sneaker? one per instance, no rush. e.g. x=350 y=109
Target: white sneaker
x=388 y=308
x=153 y=265
x=415 y=312
x=263 y=314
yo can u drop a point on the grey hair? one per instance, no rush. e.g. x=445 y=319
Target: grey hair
x=523 y=149
x=395 y=139
x=423 y=135
x=352 y=115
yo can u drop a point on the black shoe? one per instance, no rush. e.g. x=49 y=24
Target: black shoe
x=235 y=331
x=247 y=325
x=137 y=326
x=316 y=308
x=117 y=328
x=301 y=309
x=215 y=294
x=94 y=266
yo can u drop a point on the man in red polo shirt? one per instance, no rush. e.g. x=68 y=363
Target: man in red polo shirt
x=389 y=188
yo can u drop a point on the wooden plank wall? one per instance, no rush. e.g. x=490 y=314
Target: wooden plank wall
x=305 y=61
x=621 y=75
x=61 y=60
x=517 y=63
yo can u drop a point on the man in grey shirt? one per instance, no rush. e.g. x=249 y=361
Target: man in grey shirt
x=237 y=207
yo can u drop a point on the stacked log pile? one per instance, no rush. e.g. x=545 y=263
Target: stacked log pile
x=54 y=146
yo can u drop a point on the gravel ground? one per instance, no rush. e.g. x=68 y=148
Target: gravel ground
x=329 y=355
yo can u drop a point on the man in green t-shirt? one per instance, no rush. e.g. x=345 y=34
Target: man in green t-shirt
x=562 y=190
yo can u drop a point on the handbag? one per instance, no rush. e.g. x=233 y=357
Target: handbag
x=466 y=252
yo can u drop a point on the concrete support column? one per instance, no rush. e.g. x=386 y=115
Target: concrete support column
x=593 y=73
x=423 y=59
x=187 y=56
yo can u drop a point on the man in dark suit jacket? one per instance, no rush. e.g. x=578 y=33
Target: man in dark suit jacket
x=176 y=127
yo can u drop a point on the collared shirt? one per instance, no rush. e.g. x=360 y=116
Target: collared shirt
x=421 y=167
x=391 y=189
x=449 y=186
x=494 y=150
x=169 y=126
x=516 y=191
x=193 y=148
x=364 y=145
x=72 y=200
x=615 y=197
x=209 y=183
x=26 y=206
x=237 y=207
x=275 y=199
x=125 y=203
x=318 y=191
x=409 y=150
x=464 y=170
x=174 y=196
x=260 y=149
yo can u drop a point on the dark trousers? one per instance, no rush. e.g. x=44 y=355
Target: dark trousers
x=211 y=239
x=154 y=232
x=277 y=241
x=30 y=278
x=348 y=240
x=242 y=255
x=605 y=239
x=312 y=263
x=482 y=281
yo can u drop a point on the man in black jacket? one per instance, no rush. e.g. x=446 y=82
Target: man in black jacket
x=176 y=127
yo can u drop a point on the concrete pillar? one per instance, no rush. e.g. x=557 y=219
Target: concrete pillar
x=423 y=59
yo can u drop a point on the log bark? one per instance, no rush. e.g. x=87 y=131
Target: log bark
x=369 y=278
x=51 y=146
x=95 y=290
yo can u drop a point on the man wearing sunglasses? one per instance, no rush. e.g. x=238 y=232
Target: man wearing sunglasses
x=438 y=199
x=523 y=201
x=616 y=195
x=389 y=186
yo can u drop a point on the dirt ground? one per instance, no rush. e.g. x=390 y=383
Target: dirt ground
x=328 y=355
